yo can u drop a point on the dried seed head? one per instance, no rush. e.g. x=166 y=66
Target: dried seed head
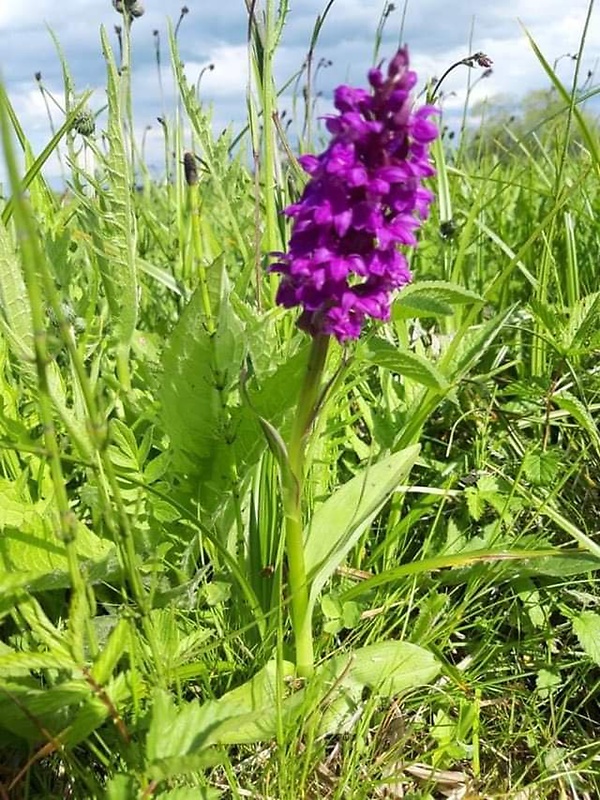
x=190 y=169
x=133 y=8
x=137 y=10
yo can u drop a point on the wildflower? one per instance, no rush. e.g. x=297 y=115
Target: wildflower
x=363 y=199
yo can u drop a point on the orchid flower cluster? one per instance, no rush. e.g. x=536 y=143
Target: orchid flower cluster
x=363 y=199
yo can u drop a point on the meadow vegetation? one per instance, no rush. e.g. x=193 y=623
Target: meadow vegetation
x=149 y=384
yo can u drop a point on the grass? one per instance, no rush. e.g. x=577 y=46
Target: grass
x=148 y=383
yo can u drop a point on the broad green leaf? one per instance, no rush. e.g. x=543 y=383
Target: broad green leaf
x=337 y=525
x=189 y=793
x=31 y=551
x=564 y=564
x=420 y=307
x=548 y=681
x=404 y=362
x=432 y=298
x=246 y=714
x=121 y=787
x=386 y=669
x=541 y=468
x=176 y=766
x=198 y=369
x=70 y=709
x=587 y=629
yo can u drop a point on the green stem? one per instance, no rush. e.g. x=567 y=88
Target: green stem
x=199 y=255
x=293 y=481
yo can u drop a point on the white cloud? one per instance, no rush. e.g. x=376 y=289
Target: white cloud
x=230 y=74
x=438 y=34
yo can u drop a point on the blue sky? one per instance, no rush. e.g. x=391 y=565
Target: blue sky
x=437 y=32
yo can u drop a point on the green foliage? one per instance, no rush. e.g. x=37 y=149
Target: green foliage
x=451 y=497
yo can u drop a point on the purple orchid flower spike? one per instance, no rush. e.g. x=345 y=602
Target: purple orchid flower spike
x=364 y=198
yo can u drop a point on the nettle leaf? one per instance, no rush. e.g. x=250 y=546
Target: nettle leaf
x=32 y=553
x=547 y=315
x=70 y=709
x=476 y=343
x=584 y=319
x=15 y=312
x=432 y=298
x=337 y=525
x=541 y=468
x=245 y=715
x=485 y=493
x=115 y=237
x=198 y=370
x=586 y=628
x=475 y=503
x=573 y=405
x=403 y=362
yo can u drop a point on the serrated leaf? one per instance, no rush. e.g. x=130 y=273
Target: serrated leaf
x=118 y=242
x=573 y=405
x=404 y=362
x=115 y=236
x=541 y=467
x=547 y=315
x=584 y=321
x=246 y=714
x=433 y=298
x=475 y=503
x=405 y=308
x=33 y=554
x=587 y=629
x=198 y=369
x=476 y=344
x=339 y=522
x=25 y=710
x=14 y=303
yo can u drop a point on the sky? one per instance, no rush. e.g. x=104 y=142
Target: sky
x=214 y=32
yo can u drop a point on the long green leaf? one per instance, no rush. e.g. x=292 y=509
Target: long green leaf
x=337 y=525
